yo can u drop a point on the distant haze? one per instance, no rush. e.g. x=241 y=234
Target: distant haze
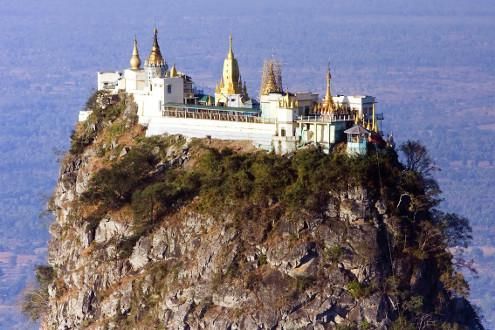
x=431 y=64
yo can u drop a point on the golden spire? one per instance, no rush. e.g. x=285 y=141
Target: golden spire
x=135 y=60
x=328 y=94
x=270 y=80
x=231 y=82
x=328 y=104
x=155 y=58
x=173 y=71
x=244 y=89
x=231 y=52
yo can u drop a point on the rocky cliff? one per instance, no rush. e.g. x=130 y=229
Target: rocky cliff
x=169 y=233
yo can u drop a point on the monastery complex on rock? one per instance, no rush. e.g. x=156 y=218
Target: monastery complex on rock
x=280 y=121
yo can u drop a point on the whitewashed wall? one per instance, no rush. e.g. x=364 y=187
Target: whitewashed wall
x=260 y=134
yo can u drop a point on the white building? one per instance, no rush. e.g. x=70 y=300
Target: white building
x=108 y=80
x=151 y=86
x=283 y=122
x=363 y=105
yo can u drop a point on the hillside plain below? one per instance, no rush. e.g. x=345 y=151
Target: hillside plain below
x=431 y=66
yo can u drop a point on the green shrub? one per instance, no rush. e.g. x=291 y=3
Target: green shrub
x=333 y=253
x=114 y=186
x=262 y=260
x=365 y=325
x=358 y=290
x=35 y=302
x=303 y=283
x=97 y=120
x=402 y=324
x=414 y=304
x=156 y=199
x=346 y=327
x=224 y=181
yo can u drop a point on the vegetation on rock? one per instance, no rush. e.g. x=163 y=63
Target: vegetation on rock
x=356 y=231
x=35 y=303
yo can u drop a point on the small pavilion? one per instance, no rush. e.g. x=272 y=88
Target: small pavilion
x=357 y=140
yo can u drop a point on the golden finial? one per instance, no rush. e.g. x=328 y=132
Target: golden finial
x=231 y=52
x=155 y=57
x=135 y=61
x=173 y=71
x=155 y=38
x=328 y=93
x=328 y=100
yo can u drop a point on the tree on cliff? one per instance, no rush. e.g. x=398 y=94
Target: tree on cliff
x=417 y=158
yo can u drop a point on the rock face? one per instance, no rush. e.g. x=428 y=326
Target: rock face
x=181 y=275
x=191 y=270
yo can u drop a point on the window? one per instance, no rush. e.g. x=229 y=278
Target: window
x=169 y=89
x=282 y=132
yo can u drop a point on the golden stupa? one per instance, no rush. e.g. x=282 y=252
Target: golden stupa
x=231 y=82
x=135 y=59
x=155 y=58
x=271 y=77
x=173 y=72
x=327 y=105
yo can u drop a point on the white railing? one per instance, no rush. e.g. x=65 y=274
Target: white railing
x=326 y=118
x=215 y=115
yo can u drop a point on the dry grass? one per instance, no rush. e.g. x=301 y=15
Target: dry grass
x=88 y=251
x=200 y=146
x=123 y=215
x=102 y=295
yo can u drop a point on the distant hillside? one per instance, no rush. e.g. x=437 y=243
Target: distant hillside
x=430 y=63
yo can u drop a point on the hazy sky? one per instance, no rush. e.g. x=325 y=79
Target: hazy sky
x=431 y=64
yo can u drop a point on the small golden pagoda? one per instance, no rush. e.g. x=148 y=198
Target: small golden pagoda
x=327 y=106
x=135 y=61
x=231 y=82
x=271 y=80
x=288 y=102
x=173 y=72
x=155 y=58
